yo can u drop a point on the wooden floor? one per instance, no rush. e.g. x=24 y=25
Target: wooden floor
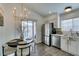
x=43 y=50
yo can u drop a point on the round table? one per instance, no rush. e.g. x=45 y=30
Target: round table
x=18 y=43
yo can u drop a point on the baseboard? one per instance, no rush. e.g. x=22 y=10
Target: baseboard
x=46 y=44
x=38 y=42
x=67 y=52
x=56 y=47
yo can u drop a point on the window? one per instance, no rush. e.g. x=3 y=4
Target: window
x=66 y=25
x=29 y=29
x=70 y=26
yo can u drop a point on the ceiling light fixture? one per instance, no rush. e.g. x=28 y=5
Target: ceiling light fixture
x=68 y=9
x=23 y=13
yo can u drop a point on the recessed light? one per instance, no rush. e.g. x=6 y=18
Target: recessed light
x=68 y=9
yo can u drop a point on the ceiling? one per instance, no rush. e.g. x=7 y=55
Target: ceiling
x=44 y=8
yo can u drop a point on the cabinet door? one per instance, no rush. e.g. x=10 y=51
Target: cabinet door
x=77 y=47
x=64 y=44
x=72 y=47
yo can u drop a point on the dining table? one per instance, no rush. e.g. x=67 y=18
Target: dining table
x=12 y=46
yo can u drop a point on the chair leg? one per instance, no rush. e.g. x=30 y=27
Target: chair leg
x=29 y=50
x=21 y=52
x=3 y=51
x=16 y=53
x=34 y=47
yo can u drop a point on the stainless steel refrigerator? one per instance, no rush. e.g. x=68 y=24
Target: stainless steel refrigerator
x=46 y=33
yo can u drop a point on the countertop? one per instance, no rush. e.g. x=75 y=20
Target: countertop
x=70 y=37
x=57 y=34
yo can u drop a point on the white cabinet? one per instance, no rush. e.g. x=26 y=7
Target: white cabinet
x=69 y=46
x=72 y=47
x=77 y=48
x=64 y=44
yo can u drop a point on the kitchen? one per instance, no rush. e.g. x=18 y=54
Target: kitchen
x=66 y=37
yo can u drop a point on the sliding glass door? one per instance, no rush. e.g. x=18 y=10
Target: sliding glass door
x=29 y=28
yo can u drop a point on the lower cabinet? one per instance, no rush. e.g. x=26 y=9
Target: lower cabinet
x=70 y=46
x=64 y=44
x=77 y=47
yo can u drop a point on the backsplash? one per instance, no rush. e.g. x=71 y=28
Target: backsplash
x=58 y=31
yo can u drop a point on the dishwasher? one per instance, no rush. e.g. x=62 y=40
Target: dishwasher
x=55 y=41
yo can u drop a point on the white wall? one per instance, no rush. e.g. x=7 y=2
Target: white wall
x=52 y=19
x=7 y=32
